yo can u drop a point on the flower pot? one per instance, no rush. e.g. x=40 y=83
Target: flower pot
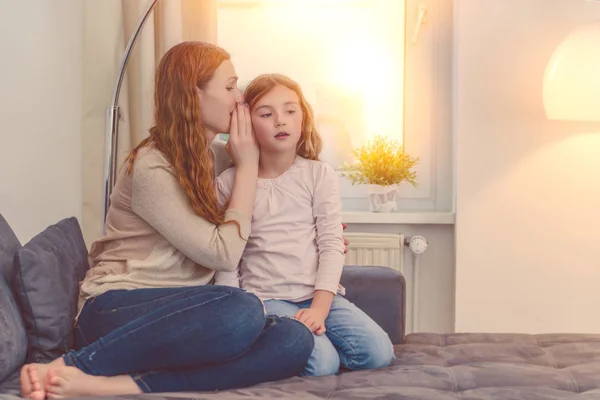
x=383 y=198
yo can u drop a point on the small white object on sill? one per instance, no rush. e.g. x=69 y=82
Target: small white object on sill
x=402 y=218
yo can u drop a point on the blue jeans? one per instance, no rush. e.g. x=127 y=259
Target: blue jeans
x=352 y=338
x=187 y=339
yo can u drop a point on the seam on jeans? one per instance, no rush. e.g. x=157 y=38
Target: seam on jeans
x=158 y=320
x=147 y=302
x=85 y=341
x=140 y=382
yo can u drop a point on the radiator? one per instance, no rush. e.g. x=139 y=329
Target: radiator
x=385 y=250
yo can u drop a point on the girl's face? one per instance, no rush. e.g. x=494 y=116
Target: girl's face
x=218 y=99
x=277 y=120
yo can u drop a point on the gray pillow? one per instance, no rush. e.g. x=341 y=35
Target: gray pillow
x=13 y=340
x=48 y=271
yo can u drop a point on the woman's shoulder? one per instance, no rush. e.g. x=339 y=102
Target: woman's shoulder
x=150 y=157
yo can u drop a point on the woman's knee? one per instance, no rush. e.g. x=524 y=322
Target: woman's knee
x=249 y=309
x=245 y=317
x=296 y=341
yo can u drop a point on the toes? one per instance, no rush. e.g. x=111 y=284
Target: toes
x=34 y=378
x=50 y=378
x=25 y=381
x=55 y=385
x=37 y=395
x=56 y=381
x=54 y=396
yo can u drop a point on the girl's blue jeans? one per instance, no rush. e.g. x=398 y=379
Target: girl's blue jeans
x=187 y=339
x=352 y=340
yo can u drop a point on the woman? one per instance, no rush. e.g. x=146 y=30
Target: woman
x=149 y=319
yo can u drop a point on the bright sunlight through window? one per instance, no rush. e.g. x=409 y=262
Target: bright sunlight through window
x=348 y=56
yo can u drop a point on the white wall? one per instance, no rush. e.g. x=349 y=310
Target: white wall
x=40 y=112
x=528 y=189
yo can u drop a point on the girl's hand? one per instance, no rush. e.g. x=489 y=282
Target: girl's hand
x=242 y=146
x=313 y=318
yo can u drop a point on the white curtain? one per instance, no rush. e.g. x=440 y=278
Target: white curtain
x=108 y=27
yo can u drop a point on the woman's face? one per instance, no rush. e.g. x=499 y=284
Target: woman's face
x=218 y=99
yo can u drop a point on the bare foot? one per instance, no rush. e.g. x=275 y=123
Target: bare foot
x=33 y=379
x=71 y=382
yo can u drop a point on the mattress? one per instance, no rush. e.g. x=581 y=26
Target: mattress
x=465 y=366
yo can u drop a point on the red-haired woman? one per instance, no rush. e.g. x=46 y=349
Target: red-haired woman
x=149 y=318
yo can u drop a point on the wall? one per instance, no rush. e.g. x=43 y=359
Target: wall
x=527 y=188
x=40 y=110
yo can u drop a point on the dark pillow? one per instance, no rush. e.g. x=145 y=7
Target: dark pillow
x=13 y=340
x=48 y=271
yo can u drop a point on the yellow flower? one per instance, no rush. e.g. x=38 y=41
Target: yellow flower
x=381 y=162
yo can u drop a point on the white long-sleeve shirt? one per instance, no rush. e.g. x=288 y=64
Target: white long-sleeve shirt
x=295 y=245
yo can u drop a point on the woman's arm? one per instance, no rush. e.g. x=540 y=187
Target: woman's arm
x=158 y=198
x=223 y=185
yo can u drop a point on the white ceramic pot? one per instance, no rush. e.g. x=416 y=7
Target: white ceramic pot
x=383 y=198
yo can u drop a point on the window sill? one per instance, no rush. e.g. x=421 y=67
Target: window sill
x=410 y=218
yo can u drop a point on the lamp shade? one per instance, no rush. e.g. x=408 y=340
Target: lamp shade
x=572 y=78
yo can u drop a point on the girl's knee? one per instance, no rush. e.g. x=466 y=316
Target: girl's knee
x=374 y=351
x=379 y=354
x=324 y=366
x=382 y=355
x=323 y=361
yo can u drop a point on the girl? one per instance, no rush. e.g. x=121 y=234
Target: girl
x=295 y=253
x=149 y=319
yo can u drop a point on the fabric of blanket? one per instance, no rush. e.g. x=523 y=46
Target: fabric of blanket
x=455 y=366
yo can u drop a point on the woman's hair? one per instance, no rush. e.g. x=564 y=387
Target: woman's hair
x=310 y=143
x=178 y=132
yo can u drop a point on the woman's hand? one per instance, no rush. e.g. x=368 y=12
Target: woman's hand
x=242 y=146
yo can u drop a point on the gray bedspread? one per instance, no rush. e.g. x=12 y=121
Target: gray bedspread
x=452 y=367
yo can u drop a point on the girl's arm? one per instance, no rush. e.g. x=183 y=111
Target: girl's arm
x=327 y=210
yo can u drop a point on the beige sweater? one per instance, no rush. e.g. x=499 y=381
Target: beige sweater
x=153 y=237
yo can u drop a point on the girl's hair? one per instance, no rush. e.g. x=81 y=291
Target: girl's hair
x=310 y=143
x=178 y=132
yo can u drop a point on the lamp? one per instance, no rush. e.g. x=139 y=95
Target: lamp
x=111 y=140
x=572 y=78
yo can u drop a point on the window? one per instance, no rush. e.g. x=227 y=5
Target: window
x=351 y=59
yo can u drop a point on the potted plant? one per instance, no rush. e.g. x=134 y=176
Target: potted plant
x=381 y=165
